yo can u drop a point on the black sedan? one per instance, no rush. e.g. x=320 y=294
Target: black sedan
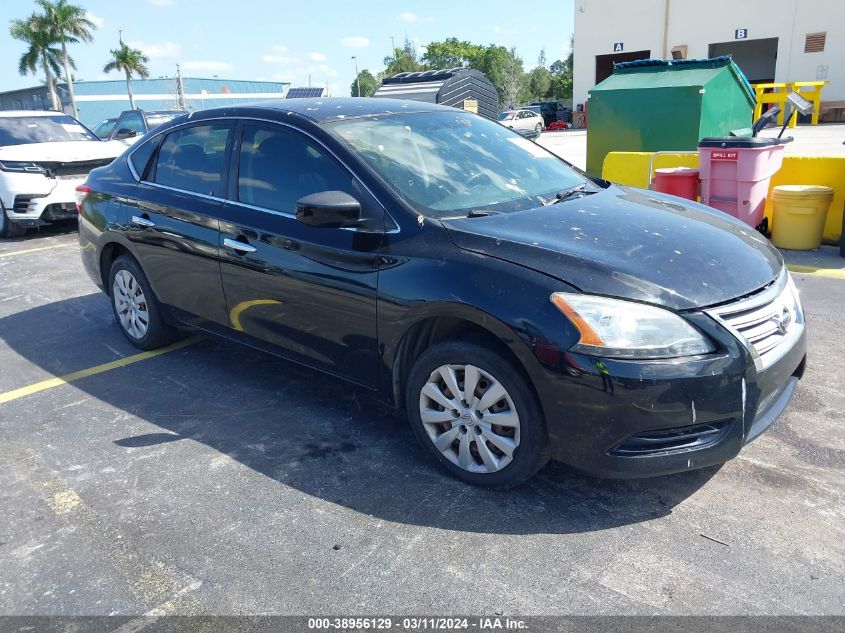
x=516 y=309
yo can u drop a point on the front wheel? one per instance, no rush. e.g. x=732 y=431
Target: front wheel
x=135 y=307
x=9 y=228
x=538 y=128
x=475 y=413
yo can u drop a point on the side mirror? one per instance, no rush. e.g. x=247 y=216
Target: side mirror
x=328 y=209
x=124 y=133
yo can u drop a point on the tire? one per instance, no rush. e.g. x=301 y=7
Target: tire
x=127 y=281
x=472 y=449
x=538 y=128
x=9 y=229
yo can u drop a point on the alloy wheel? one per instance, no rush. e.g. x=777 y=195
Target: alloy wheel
x=130 y=304
x=470 y=418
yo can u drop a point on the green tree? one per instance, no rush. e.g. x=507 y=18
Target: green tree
x=68 y=24
x=368 y=83
x=505 y=71
x=132 y=62
x=41 y=51
x=539 y=83
x=452 y=53
x=561 y=75
x=404 y=60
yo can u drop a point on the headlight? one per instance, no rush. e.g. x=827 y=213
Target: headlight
x=21 y=167
x=624 y=329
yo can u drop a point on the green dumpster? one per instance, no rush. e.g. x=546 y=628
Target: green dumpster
x=655 y=105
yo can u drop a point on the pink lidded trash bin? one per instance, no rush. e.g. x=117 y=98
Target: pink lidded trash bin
x=735 y=173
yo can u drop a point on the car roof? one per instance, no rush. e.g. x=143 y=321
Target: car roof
x=324 y=110
x=30 y=113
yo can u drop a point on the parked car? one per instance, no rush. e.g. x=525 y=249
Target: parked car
x=44 y=155
x=525 y=122
x=104 y=128
x=131 y=125
x=516 y=309
x=551 y=111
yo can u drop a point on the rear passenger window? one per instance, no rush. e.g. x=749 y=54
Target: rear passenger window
x=140 y=157
x=192 y=159
x=278 y=167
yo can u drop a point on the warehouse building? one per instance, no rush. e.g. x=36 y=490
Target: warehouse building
x=99 y=100
x=770 y=40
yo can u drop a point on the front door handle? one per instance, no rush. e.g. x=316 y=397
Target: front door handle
x=240 y=247
x=143 y=222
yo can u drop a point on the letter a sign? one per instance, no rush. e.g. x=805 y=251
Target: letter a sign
x=617 y=47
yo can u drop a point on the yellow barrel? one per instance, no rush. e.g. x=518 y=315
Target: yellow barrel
x=799 y=213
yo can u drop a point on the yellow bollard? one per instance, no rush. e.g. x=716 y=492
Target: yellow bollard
x=799 y=214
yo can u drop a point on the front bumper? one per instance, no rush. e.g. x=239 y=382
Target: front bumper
x=42 y=200
x=625 y=419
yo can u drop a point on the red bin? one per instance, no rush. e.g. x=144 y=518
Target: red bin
x=677 y=181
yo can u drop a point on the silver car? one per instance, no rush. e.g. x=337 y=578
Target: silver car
x=525 y=122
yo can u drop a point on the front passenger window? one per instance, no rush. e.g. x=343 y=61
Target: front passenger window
x=192 y=159
x=277 y=168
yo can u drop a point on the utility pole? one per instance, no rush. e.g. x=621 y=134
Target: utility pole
x=180 y=89
x=357 y=78
x=120 y=36
x=392 y=48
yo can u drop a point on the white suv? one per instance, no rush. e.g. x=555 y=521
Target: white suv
x=43 y=157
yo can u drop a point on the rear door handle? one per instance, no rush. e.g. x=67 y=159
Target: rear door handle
x=240 y=247
x=144 y=222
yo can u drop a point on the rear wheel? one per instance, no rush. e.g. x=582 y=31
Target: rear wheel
x=8 y=228
x=475 y=413
x=538 y=128
x=135 y=307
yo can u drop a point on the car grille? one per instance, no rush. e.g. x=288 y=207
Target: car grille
x=24 y=203
x=767 y=322
x=681 y=438
x=73 y=170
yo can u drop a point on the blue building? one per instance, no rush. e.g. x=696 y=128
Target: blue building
x=98 y=100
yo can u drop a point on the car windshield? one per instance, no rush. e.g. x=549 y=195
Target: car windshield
x=505 y=116
x=20 y=130
x=446 y=164
x=105 y=128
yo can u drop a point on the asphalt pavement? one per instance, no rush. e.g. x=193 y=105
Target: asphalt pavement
x=214 y=479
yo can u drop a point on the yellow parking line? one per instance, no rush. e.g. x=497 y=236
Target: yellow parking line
x=32 y=250
x=832 y=273
x=91 y=371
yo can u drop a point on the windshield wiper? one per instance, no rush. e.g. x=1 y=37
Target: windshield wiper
x=570 y=192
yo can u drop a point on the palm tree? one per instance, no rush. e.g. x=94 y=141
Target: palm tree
x=69 y=24
x=132 y=62
x=41 y=52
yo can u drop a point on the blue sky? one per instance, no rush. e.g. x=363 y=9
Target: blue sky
x=287 y=41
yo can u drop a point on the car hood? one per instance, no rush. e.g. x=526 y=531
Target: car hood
x=632 y=244
x=62 y=151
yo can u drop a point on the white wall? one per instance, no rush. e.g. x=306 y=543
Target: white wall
x=639 y=25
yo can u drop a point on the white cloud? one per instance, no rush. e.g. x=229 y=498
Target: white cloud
x=317 y=57
x=279 y=59
x=355 y=41
x=161 y=3
x=207 y=66
x=407 y=16
x=324 y=70
x=158 y=50
x=96 y=19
